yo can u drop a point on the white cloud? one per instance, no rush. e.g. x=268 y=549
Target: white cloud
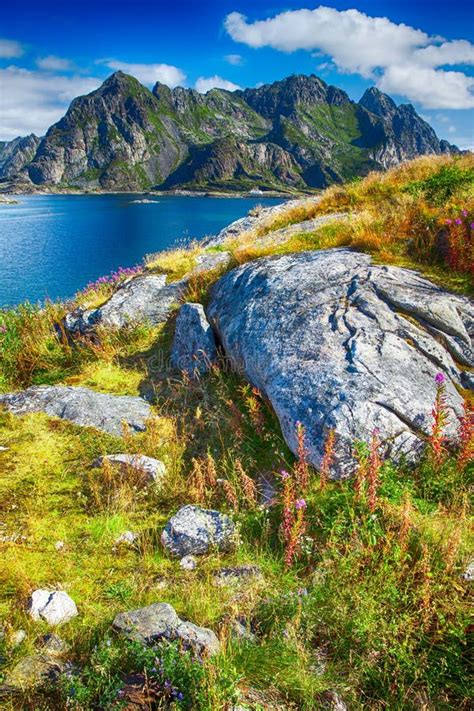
x=33 y=100
x=235 y=59
x=434 y=89
x=451 y=129
x=150 y=73
x=10 y=49
x=204 y=84
x=399 y=58
x=54 y=64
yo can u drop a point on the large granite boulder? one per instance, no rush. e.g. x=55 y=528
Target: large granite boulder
x=143 y=299
x=336 y=342
x=53 y=606
x=196 y=531
x=194 y=346
x=160 y=621
x=82 y=407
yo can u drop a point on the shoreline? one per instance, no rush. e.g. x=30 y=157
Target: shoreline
x=10 y=192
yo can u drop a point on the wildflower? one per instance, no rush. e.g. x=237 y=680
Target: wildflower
x=302 y=465
x=373 y=472
x=328 y=458
x=3 y=328
x=449 y=222
x=458 y=221
x=296 y=533
x=472 y=225
x=284 y=474
x=440 y=416
x=464 y=213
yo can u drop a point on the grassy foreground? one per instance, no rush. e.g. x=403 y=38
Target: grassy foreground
x=362 y=592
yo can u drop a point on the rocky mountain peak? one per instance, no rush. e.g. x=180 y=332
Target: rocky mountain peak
x=283 y=96
x=378 y=103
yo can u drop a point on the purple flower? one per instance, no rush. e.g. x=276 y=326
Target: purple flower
x=458 y=221
x=439 y=378
x=449 y=222
x=464 y=213
x=472 y=225
x=300 y=504
x=284 y=474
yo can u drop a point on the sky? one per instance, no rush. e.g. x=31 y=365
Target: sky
x=417 y=51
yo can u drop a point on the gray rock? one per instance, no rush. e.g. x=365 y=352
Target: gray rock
x=81 y=406
x=196 y=531
x=469 y=572
x=53 y=606
x=201 y=639
x=143 y=299
x=189 y=562
x=32 y=672
x=52 y=644
x=258 y=217
x=336 y=342
x=160 y=621
x=194 y=346
x=18 y=638
x=237 y=575
x=208 y=261
x=153 y=470
x=127 y=538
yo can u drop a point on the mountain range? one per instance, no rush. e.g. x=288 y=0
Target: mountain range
x=294 y=134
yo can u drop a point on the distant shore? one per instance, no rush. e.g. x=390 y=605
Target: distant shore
x=17 y=190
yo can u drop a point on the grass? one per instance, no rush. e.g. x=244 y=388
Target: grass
x=374 y=606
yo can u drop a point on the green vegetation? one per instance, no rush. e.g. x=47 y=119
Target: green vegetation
x=373 y=608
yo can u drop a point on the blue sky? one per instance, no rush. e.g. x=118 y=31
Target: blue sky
x=415 y=50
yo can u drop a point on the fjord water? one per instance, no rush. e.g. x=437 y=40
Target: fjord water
x=53 y=245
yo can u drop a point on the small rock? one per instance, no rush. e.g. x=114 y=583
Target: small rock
x=3 y=449
x=127 y=538
x=153 y=469
x=160 y=621
x=18 y=638
x=32 y=672
x=196 y=531
x=237 y=575
x=241 y=631
x=144 y=299
x=189 y=562
x=194 y=346
x=52 y=644
x=81 y=406
x=53 y=606
x=59 y=545
x=469 y=572
x=335 y=702
x=148 y=624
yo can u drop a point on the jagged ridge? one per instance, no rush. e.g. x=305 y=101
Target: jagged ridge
x=296 y=133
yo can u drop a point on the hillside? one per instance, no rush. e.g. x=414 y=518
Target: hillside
x=238 y=476
x=293 y=135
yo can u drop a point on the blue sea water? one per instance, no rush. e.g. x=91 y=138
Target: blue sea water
x=53 y=245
